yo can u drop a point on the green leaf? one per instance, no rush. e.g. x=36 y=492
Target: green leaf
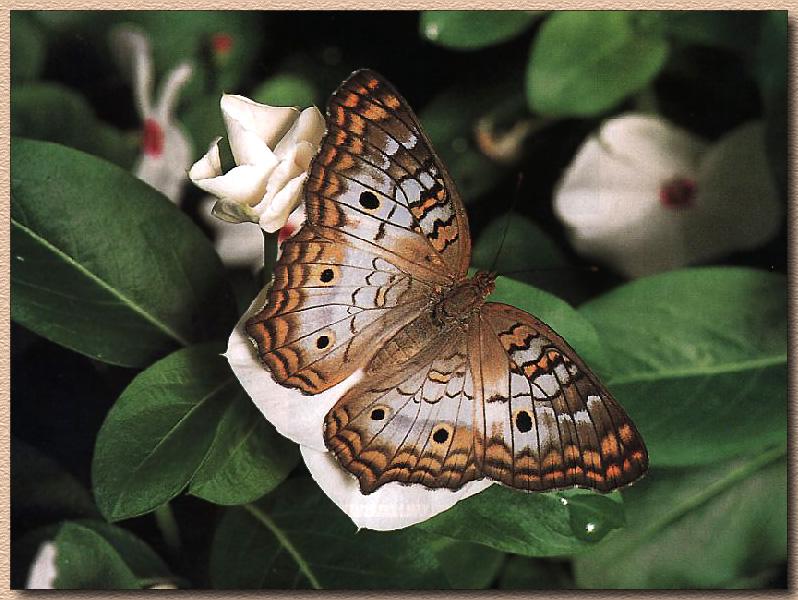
x=297 y=538
x=85 y=560
x=473 y=29
x=53 y=113
x=42 y=490
x=733 y=30
x=584 y=63
x=699 y=360
x=91 y=554
x=521 y=573
x=286 y=89
x=105 y=265
x=451 y=133
x=28 y=47
x=247 y=458
x=528 y=524
x=707 y=527
x=185 y=421
x=160 y=430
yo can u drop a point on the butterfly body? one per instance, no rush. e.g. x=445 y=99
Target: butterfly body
x=453 y=388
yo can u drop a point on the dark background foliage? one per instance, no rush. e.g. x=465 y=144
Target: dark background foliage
x=124 y=419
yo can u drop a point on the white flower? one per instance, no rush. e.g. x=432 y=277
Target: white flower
x=272 y=148
x=645 y=196
x=166 y=150
x=43 y=570
x=301 y=419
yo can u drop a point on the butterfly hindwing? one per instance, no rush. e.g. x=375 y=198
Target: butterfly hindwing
x=410 y=421
x=566 y=429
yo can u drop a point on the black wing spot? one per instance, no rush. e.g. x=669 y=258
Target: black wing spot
x=441 y=435
x=523 y=421
x=377 y=414
x=369 y=201
x=327 y=275
x=322 y=342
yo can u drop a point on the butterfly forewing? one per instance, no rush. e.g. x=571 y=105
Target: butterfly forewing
x=376 y=160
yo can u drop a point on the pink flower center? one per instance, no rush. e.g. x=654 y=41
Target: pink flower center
x=152 y=139
x=222 y=43
x=285 y=233
x=677 y=193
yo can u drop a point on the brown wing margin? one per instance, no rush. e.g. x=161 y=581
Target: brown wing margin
x=565 y=428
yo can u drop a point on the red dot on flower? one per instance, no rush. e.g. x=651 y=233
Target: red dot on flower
x=152 y=138
x=222 y=43
x=678 y=192
x=285 y=233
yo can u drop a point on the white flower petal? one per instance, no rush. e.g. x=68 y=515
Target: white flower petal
x=167 y=172
x=210 y=165
x=244 y=185
x=295 y=163
x=652 y=145
x=309 y=127
x=43 y=570
x=248 y=148
x=295 y=415
x=737 y=204
x=614 y=180
x=392 y=506
x=239 y=246
x=269 y=123
x=131 y=49
x=169 y=92
x=282 y=205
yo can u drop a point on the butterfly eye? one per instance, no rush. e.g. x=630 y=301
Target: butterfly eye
x=327 y=275
x=369 y=201
x=523 y=421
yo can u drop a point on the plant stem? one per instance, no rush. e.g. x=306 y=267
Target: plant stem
x=167 y=525
x=269 y=256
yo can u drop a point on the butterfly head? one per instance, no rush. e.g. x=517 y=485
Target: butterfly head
x=485 y=281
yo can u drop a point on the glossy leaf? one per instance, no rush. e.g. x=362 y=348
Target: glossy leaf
x=28 y=47
x=105 y=265
x=247 y=458
x=286 y=89
x=92 y=554
x=175 y=422
x=528 y=524
x=474 y=29
x=698 y=358
x=734 y=30
x=702 y=528
x=54 y=113
x=42 y=490
x=297 y=538
x=584 y=63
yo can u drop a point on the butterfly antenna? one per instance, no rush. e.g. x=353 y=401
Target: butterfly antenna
x=518 y=183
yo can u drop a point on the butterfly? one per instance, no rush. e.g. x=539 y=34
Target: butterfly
x=453 y=388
